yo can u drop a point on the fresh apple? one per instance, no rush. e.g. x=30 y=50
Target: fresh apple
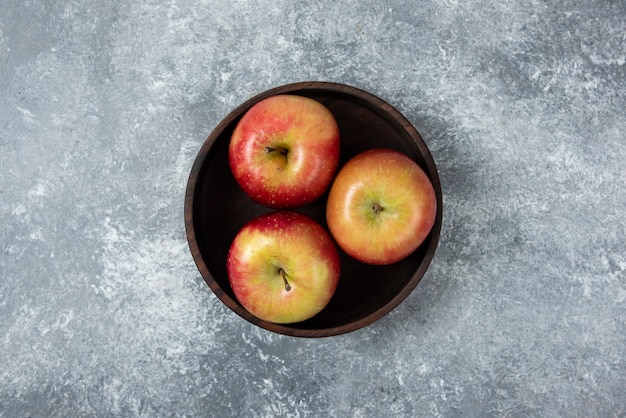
x=381 y=206
x=283 y=267
x=284 y=152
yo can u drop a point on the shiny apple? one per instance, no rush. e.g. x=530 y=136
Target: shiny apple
x=284 y=152
x=381 y=206
x=283 y=267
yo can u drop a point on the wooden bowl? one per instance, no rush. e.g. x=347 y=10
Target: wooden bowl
x=216 y=208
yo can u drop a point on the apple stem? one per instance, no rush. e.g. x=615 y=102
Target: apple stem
x=284 y=277
x=279 y=150
x=377 y=208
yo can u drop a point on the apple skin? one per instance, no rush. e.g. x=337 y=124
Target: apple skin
x=381 y=206
x=284 y=152
x=294 y=243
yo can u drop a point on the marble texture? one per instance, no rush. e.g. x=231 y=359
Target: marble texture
x=104 y=105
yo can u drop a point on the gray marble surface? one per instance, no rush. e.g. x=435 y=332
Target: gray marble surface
x=104 y=105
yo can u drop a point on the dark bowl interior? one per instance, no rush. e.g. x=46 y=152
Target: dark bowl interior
x=216 y=208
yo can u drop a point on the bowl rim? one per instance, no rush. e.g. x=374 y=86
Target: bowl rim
x=292 y=88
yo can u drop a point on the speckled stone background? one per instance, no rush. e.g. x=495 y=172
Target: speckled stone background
x=104 y=105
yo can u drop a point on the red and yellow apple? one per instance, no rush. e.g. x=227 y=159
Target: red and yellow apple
x=284 y=152
x=283 y=267
x=381 y=206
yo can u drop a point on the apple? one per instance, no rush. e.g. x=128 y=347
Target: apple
x=283 y=267
x=284 y=151
x=381 y=206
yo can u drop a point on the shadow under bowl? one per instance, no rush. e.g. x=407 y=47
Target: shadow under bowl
x=216 y=208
